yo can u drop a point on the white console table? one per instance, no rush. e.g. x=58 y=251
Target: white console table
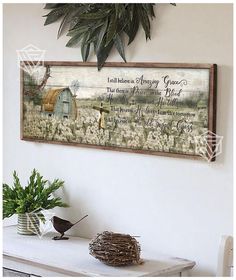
x=33 y=256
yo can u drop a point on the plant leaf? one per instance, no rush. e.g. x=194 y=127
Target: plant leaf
x=111 y=31
x=101 y=35
x=78 y=30
x=74 y=40
x=104 y=24
x=35 y=196
x=119 y=46
x=64 y=23
x=54 y=15
x=85 y=47
x=94 y=16
x=149 y=9
x=79 y=11
x=134 y=26
x=145 y=22
x=102 y=54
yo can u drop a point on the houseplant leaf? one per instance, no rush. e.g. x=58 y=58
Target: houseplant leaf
x=36 y=195
x=106 y=20
x=119 y=46
x=111 y=30
x=55 y=14
x=102 y=55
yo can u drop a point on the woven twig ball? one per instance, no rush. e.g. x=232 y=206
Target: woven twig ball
x=115 y=249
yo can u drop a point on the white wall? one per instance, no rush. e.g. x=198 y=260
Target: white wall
x=179 y=207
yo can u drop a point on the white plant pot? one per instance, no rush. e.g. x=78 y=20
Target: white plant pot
x=28 y=224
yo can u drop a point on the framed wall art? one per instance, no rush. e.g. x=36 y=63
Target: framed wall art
x=151 y=108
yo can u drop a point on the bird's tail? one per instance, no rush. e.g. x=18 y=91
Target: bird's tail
x=81 y=219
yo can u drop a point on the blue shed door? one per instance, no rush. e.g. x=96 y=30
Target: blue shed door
x=65 y=108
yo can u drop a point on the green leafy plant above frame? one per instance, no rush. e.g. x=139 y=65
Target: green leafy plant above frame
x=101 y=26
x=36 y=196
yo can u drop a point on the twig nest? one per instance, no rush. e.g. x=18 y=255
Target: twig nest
x=115 y=249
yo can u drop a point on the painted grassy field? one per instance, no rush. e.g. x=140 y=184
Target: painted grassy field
x=132 y=126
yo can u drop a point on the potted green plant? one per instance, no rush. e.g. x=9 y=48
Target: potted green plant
x=29 y=201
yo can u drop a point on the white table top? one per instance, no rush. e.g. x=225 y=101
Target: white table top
x=71 y=257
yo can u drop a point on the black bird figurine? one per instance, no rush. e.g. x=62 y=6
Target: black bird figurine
x=62 y=226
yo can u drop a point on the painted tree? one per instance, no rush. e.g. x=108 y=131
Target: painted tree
x=33 y=89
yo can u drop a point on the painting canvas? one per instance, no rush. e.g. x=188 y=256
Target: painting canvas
x=157 y=109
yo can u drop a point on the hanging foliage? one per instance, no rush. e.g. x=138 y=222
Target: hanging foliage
x=100 y=26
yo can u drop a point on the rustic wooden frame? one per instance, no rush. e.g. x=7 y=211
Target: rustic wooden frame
x=211 y=105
